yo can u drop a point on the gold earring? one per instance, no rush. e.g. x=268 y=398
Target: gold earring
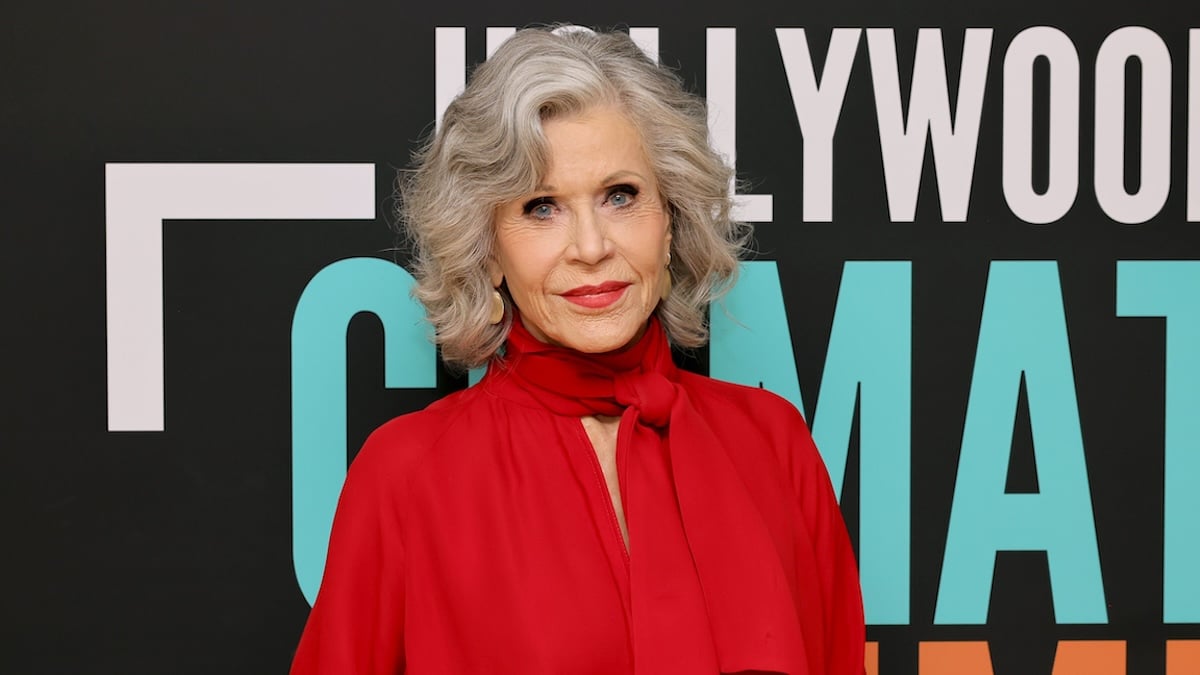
x=667 y=279
x=497 y=313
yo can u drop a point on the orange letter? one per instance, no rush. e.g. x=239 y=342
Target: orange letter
x=1090 y=657
x=1183 y=657
x=873 y=658
x=955 y=658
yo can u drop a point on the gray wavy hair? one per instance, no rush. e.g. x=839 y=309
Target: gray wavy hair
x=490 y=149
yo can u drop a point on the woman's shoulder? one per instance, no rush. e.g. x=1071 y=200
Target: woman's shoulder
x=753 y=412
x=721 y=397
x=403 y=442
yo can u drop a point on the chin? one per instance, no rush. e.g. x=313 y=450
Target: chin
x=599 y=347
x=600 y=341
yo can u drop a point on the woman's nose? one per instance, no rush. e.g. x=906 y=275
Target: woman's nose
x=591 y=237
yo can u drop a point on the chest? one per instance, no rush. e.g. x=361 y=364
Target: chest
x=602 y=433
x=516 y=549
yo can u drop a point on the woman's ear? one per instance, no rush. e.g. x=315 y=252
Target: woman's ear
x=495 y=273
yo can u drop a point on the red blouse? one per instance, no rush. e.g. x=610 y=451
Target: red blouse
x=478 y=536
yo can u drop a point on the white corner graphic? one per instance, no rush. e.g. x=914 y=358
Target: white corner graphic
x=138 y=197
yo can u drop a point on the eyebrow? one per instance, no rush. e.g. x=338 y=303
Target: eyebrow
x=610 y=178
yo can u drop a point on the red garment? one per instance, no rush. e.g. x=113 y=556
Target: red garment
x=478 y=536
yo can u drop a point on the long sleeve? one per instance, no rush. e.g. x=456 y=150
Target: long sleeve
x=836 y=569
x=357 y=622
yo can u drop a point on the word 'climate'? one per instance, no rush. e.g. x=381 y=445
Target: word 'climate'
x=868 y=367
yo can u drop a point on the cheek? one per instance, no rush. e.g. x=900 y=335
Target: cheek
x=654 y=244
x=526 y=264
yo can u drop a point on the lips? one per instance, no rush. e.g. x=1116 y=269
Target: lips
x=598 y=296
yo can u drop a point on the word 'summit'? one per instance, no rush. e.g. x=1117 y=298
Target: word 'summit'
x=1073 y=657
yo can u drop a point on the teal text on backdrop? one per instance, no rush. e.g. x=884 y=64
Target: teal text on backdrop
x=1022 y=335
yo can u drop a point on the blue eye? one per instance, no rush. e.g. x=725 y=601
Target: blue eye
x=621 y=195
x=541 y=208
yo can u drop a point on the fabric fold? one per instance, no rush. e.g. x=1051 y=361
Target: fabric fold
x=754 y=621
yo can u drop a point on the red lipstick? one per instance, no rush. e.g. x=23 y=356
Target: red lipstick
x=595 y=297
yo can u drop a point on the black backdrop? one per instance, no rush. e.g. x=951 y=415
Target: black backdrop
x=171 y=551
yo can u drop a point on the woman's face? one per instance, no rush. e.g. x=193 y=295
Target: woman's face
x=585 y=253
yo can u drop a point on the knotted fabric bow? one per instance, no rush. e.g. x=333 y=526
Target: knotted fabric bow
x=746 y=592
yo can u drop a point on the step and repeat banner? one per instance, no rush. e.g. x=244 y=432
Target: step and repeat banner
x=976 y=270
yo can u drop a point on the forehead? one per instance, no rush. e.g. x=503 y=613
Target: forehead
x=598 y=140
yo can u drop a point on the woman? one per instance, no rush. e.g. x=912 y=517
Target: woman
x=587 y=507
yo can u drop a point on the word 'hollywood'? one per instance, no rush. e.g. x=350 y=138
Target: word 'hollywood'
x=952 y=127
